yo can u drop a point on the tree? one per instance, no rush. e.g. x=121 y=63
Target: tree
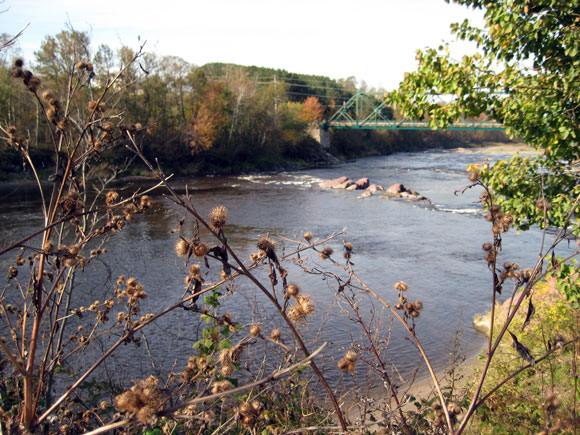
x=59 y=54
x=312 y=110
x=526 y=75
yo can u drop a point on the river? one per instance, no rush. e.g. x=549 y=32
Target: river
x=435 y=249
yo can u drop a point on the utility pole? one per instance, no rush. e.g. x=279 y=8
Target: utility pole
x=275 y=99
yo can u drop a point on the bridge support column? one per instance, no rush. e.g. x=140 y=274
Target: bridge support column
x=321 y=135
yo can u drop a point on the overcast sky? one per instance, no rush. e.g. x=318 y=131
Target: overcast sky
x=372 y=40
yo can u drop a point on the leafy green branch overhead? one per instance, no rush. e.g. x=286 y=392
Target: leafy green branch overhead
x=526 y=75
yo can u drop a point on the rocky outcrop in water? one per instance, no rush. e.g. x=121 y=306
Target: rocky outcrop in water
x=397 y=190
x=349 y=184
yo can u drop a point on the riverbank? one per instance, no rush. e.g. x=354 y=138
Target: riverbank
x=460 y=378
x=497 y=148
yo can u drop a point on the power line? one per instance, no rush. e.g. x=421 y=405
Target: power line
x=319 y=96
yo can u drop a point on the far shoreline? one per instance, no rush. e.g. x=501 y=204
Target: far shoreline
x=497 y=148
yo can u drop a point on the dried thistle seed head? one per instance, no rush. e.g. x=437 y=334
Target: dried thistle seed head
x=111 y=197
x=63 y=124
x=453 y=409
x=507 y=265
x=73 y=250
x=26 y=76
x=218 y=218
x=306 y=304
x=52 y=114
x=342 y=364
x=255 y=257
x=418 y=305
x=200 y=250
x=490 y=257
x=146 y=201
x=401 y=286
x=266 y=245
x=543 y=204
x=496 y=229
x=129 y=210
x=351 y=356
x=276 y=334
x=409 y=307
x=295 y=313
x=225 y=356
x=414 y=313
x=293 y=290
x=307 y=236
x=473 y=175
x=326 y=253
x=495 y=209
x=48 y=96
x=527 y=273
x=257 y=406
x=182 y=248
x=227 y=370
x=34 y=83
x=17 y=72
x=221 y=386
x=487 y=246
x=255 y=330
x=348 y=247
x=245 y=408
x=142 y=400
x=399 y=306
x=248 y=420
x=188 y=279
x=48 y=247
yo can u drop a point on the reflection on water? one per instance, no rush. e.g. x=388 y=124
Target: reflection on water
x=436 y=250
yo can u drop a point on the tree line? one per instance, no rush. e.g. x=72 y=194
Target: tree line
x=217 y=118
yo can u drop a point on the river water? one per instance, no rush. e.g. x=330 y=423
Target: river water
x=435 y=249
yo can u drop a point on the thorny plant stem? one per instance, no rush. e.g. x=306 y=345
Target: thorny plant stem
x=68 y=218
x=271 y=378
x=536 y=276
x=29 y=405
x=384 y=371
x=252 y=278
x=521 y=369
x=178 y=304
x=352 y=273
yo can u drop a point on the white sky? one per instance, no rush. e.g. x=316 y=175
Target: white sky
x=372 y=40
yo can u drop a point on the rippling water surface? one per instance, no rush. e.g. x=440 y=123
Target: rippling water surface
x=435 y=249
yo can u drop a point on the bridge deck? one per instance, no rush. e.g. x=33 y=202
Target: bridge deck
x=411 y=125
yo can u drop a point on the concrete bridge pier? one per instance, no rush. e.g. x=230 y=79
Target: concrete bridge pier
x=321 y=135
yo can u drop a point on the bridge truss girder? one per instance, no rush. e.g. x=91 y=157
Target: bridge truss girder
x=365 y=110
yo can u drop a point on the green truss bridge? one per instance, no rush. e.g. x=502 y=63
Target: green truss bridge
x=367 y=110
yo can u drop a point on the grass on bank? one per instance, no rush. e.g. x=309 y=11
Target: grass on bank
x=543 y=398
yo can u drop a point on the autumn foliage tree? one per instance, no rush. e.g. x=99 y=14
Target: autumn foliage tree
x=312 y=110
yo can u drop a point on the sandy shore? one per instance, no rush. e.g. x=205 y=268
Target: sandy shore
x=423 y=388
x=498 y=149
